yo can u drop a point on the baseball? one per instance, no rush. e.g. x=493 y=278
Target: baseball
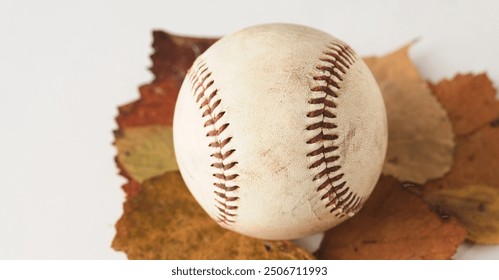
x=280 y=131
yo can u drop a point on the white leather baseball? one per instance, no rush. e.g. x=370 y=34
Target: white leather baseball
x=280 y=131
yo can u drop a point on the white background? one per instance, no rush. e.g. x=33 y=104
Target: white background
x=65 y=66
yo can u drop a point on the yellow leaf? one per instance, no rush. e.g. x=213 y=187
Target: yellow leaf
x=477 y=208
x=163 y=221
x=147 y=151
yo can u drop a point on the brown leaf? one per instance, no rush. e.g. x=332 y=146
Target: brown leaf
x=172 y=58
x=395 y=223
x=173 y=55
x=474 y=175
x=420 y=138
x=145 y=151
x=163 y=221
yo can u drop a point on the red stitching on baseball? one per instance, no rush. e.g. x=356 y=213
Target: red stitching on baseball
x=201 y=85
x=338 y=58
x=322 y=150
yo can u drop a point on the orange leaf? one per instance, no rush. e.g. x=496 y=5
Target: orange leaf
x=471 y=188
x=470 y=101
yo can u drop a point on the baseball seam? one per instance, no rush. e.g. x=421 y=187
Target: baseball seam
x=209 y=104
x=338 y=198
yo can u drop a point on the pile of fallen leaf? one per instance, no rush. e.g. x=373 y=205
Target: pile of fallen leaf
x=439 y=185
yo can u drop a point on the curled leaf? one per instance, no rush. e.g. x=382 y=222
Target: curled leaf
x=420 y=138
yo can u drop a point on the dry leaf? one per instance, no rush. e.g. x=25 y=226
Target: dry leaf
x=395 y=223
x=173 y=55
x=172 y=58
x=476 y=161
x=146 y=151
x=477 y=208
x=163 y=221
x=474 y=175
x=420 y=138
x=470 y=101
x=131 y=188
